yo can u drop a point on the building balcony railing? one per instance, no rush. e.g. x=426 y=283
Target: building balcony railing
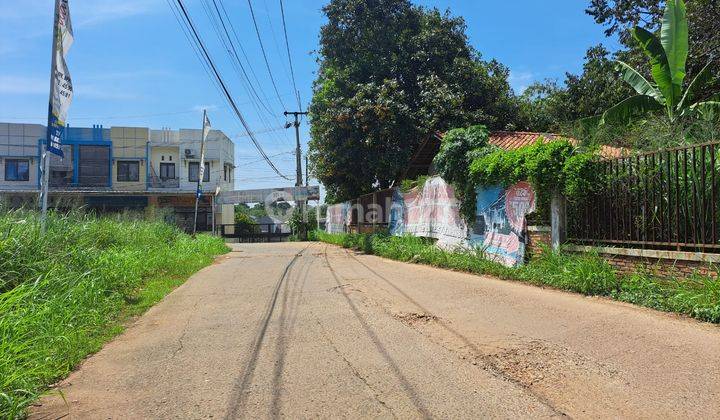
x=164 y=183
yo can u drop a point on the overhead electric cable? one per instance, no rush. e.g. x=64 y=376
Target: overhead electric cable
x=287 y=46
x=235 y=59
x=262 y=48
x=218 y=23
x=206 y=55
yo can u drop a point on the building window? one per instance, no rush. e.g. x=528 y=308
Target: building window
x=128 y=171
x=167 y=171
x=17 y=170
x=224 y=172
x=194 y=172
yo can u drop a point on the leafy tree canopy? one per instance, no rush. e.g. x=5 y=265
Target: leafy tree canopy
x=548 y=107
x=390 y=74
x=554 y=106
x=621 y=16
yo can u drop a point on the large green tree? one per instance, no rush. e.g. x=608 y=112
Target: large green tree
x=547 y=106
x=390 y=74
x=621 y=16
x=668 y=54
x=557 y=106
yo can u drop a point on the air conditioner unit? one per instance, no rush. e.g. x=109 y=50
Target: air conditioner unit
x=188 y=152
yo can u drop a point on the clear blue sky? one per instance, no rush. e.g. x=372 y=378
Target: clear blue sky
x=131 y=64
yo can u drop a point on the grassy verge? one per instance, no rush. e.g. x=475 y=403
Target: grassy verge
x=697 y=296
x=64 y=294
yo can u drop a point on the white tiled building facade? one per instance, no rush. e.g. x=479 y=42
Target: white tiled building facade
x=118 y=168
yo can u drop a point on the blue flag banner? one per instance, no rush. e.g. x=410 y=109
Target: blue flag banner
x=61 y=88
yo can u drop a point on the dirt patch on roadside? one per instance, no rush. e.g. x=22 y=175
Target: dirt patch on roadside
x=414 y=318
x=536 y=363
x=344 y=288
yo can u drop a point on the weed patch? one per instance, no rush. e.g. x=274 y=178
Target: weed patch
x=588 y=274
x=64 y=294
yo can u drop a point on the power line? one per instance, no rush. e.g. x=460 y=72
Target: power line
x=196 y=50
x=261 y=160
x=234 y=57
x=287 y=46
x=226 y=92
x=268 y=14
x=262 y=48
x=237 y=60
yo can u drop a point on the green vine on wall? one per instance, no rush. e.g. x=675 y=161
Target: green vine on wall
x=459 y=148
x=546 y=165
x=467 y=160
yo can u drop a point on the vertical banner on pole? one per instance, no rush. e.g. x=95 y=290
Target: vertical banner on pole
x=61 y=94
x=61 y=88
x=201 y=170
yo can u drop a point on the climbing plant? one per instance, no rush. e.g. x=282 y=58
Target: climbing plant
x=546 y=165
x=460 y=146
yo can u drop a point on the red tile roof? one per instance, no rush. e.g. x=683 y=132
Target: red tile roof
x=509 y=140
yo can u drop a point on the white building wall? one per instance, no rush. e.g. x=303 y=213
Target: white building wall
x=20 y=141
x=219 y=151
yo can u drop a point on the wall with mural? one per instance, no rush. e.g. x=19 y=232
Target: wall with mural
x=432 y=211
x=500 y=227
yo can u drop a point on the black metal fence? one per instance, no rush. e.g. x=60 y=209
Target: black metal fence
x=262 y=232
x=666 y=199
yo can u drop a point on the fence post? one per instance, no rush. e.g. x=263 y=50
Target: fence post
x=558 y=220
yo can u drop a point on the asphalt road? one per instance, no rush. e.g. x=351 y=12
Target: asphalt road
x=302 y=330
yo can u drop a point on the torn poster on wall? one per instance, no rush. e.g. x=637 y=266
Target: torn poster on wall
x=337 y=218
x=430 y=211
x=499 y=228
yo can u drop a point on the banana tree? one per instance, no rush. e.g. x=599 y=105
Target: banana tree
x=668 y=56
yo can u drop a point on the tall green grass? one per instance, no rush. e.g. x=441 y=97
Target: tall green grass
x=696 y=296
x=65 y=293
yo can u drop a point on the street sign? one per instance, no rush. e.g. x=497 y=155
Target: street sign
x=261 y=195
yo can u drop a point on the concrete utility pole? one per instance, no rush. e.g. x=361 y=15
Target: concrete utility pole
x=298 y=160
x=298 y=152
x=558 y=220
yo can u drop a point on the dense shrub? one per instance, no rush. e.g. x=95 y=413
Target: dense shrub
x=65 y=293
x=588 y=274
x=546 y=165
x=459 y=147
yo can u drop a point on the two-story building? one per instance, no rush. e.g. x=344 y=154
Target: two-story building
x=119 y=168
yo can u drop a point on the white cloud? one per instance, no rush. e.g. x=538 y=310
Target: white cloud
x=91 y=12
x=101 y=92
x=22 y=85
x=82 y=12
x=201 y=108
x=127 y=75
x=520 y=81
x=21 y=24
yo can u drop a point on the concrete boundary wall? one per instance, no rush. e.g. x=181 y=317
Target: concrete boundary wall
x=661 y=263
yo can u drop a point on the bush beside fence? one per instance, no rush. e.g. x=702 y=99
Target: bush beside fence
x=65 y=293
x=696 y=296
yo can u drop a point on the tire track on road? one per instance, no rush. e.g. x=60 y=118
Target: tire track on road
x=238 y=397
x=404 y=382
x=286 y=325
x=488 y=361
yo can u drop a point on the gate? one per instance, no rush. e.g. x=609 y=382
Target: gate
x=261 y=232
x=667 y=200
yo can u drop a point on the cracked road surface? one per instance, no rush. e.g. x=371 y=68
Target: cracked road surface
x=304 y=330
